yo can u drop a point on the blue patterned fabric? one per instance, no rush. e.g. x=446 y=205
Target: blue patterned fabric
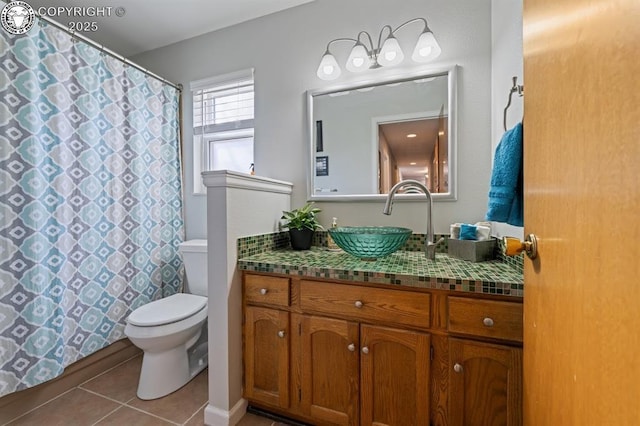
x=90 y=201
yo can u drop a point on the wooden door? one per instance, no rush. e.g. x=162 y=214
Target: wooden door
x=394 y=382
x=330 y=370
x=485 y=384
x=266 y=356
x=582 y=200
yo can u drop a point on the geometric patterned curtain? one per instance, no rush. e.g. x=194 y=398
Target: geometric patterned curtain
x=90 y=201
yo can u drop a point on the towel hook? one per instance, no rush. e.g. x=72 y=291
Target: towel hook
x=516 y=88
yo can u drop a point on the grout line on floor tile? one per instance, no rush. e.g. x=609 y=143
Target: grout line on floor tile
x=193 y=415
x=44 y=403
x=110 y=413
x=151 y=414
x=101 y=395
x=106 y=371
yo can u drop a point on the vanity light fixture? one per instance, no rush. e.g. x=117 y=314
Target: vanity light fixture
x=386 y=53
x=411 y=135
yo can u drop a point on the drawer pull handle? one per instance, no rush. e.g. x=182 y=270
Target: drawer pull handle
x=351 y=347
x=365 y=350
x=263 y=291
x=488 y=322
x=281 y=333
x=457 y=368
x=359 y=304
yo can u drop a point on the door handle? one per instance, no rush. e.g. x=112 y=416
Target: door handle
x=513 y=246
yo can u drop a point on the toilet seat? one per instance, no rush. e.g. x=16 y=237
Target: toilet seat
x=167 y=310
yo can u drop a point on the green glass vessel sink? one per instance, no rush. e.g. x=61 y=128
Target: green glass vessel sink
x=370 y=242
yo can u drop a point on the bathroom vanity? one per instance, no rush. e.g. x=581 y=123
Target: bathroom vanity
x=327 y=342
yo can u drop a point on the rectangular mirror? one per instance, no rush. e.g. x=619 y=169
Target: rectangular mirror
x=364 y=138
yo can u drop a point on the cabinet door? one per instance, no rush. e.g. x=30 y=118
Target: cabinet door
x=485 y=384
x=330 y=370
x=266 y=356
x=394 y=376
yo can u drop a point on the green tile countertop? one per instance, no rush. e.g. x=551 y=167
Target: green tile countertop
x=407 y=268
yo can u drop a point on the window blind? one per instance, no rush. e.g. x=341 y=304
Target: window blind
x=223 y=103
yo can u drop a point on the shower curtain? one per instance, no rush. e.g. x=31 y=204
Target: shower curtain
x=90 y=201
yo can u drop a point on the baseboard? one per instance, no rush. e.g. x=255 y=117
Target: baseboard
x=276 y=417
x=216 y=417
x=21 y=402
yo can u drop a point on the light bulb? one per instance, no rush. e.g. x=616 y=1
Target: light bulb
x=427 y=48
x=391 y=53
x=328 y=68
x=358 y=58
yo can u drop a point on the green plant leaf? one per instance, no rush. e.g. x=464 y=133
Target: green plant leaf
x=302 y=218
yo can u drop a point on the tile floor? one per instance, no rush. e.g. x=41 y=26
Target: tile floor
x=110 y=399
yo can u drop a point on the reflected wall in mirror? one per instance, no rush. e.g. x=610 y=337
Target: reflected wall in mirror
x=380 y=133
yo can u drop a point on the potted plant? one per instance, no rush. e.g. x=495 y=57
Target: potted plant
x=301 y=223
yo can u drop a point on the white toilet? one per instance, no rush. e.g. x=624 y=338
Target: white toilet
x=172 y=331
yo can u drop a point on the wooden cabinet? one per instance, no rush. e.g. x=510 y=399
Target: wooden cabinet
x=330 y=364
x=395 y=376
x=366 y=303
x=485 y=384
x=485 y=318
x=330 y=353
x=485 y=379
x=363 y=374
x=266 y=340
x=266 y=356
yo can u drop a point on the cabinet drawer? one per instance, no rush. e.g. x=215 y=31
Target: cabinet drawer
x=486 y=318
x=260 y=289
x=366 y=303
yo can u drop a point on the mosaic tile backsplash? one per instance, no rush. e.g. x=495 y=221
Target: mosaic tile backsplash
x=271 y=253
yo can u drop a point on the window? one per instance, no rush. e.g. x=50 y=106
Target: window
x=223 y=112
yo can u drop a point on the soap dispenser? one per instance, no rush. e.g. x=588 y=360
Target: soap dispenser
x=331 y=245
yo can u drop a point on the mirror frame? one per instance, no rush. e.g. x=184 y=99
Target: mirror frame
x=451 y=73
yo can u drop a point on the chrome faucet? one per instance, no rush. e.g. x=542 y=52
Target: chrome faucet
x=429 y=244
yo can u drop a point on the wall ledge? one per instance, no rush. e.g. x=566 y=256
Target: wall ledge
x=230 y=179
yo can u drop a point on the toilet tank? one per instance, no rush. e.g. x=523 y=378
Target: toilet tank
x=194 y=255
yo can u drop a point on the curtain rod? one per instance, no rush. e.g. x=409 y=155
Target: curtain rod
x=107 y=51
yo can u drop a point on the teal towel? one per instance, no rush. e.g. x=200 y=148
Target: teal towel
x=506 y=192
x=468 y=232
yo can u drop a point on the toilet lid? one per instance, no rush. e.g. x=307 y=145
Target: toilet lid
x=165 y=311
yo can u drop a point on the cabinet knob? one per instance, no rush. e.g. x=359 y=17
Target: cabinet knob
x=359 y=304
x=263 y=291
x=457 y=368
x=351 y=347
x=281 y=333
x=488 y=322
x=365 y=350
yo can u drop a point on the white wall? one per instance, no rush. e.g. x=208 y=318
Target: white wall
x=285 y=49
x=506 y=62
x=232 y=199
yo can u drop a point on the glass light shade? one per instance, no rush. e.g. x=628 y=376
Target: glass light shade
x=391 y=53
x=427 y=48
x=358 y=59
x=328 y=68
